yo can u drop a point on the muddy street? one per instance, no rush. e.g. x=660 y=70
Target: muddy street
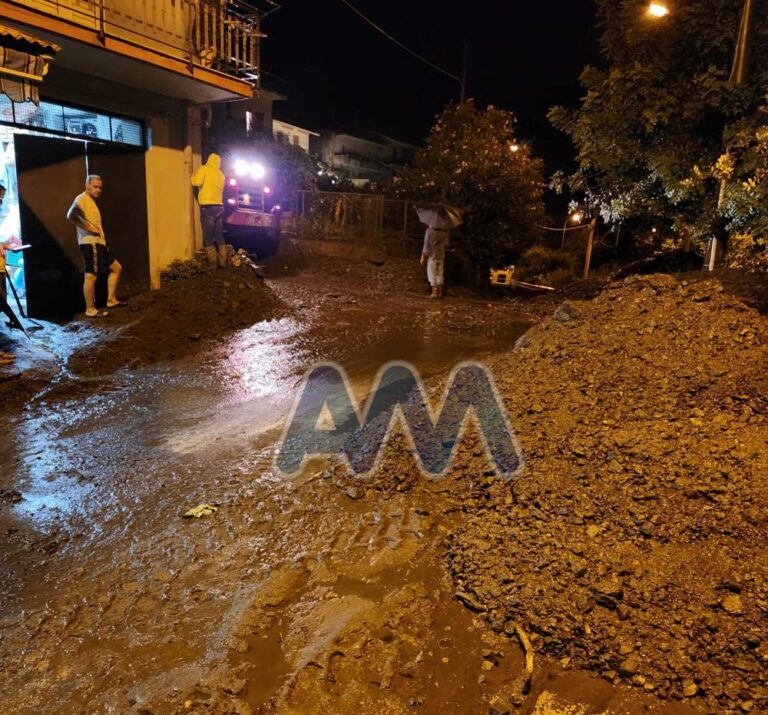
x=115 y=603
x=315 y=594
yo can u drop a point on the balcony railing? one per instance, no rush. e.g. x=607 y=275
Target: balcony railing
x=218 y=34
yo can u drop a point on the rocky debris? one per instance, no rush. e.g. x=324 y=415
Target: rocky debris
x=10 y=496
x=470 y=602
x=566 y=313
x=194 y=307
x=635 y=545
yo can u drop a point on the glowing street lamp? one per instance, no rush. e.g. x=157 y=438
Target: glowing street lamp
x=658 y=9
x=574 y=217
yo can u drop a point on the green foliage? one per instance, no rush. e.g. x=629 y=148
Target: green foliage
x=548 y=266
x=649 y=132
x=746 y=197
x=472 y=160
x=748 y=253
x=538 y=260
x=559 y=278
x=181 y=270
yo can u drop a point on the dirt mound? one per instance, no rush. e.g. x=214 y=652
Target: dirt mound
x=635 y=542
x=188 y=312
x=677 y=261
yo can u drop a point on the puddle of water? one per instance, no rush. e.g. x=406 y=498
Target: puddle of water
x=54 y=498
x=266 y=669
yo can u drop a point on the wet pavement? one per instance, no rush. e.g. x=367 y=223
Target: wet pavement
x=298 y=595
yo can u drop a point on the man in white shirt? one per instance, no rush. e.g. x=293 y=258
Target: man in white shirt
x=97 y=258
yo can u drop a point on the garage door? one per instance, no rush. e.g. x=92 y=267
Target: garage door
x=50 y=174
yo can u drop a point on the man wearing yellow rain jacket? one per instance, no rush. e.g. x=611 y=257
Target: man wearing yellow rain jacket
x=210 y=179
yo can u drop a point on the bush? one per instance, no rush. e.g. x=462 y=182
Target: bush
x=539 y=261
x=472 y=160
x=748 y=253
x=558 y=278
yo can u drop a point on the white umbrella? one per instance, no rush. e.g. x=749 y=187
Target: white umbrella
x=439 y=215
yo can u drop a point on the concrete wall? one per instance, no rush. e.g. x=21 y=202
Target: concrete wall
x=169 y=209
x=173 y=215
x=291 y=134
x=228 y=119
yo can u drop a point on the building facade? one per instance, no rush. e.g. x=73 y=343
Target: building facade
x=127 y=95
x=291 y=134
x=365 y=156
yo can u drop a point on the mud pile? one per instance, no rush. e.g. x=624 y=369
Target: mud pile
x=633 y=543
x=178 y=319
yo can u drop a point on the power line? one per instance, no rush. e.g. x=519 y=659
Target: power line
x=560 y=230
x=398 y=43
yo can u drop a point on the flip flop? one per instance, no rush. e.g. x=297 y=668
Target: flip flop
x=98 y=314
x=119 y=304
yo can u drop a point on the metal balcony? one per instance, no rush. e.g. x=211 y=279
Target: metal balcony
x=213 y=34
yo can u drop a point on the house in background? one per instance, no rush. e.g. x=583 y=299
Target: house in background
x=291 y=134
x=127 y=94
x=365 y=156
x=240 y=119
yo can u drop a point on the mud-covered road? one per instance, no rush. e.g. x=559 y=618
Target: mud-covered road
x=305 y=595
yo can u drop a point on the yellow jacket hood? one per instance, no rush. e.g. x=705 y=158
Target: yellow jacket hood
x=210 y=179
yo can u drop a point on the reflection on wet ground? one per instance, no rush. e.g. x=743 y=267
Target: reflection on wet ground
x=83 y=445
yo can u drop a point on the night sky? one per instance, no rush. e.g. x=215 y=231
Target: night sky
x=338 y=72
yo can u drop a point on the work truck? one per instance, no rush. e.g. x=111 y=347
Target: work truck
x=251 y=208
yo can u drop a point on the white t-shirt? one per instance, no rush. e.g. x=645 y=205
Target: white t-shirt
x=90 y=212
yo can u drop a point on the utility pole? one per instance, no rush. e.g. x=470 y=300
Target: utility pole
x=739 y=72
x=590 y=244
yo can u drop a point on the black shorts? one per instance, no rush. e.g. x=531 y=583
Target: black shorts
x=97 y=258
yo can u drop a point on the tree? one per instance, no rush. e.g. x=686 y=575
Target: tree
x=471 y=159
x=652 y=124
x=292 y=169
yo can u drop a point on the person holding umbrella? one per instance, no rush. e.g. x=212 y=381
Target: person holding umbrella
x=439 y=221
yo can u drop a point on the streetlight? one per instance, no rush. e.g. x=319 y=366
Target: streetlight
x=574 y=217
x=657 y=9
x=737 y=77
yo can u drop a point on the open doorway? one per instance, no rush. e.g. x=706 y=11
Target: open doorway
x=42 y=175
x=50 y=173
x=46 y=151
x=10 y=222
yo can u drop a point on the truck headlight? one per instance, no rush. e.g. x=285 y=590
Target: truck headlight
x=241 y=167
x=258 y=170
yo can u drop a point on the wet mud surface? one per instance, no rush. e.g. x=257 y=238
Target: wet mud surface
x=315 y=594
